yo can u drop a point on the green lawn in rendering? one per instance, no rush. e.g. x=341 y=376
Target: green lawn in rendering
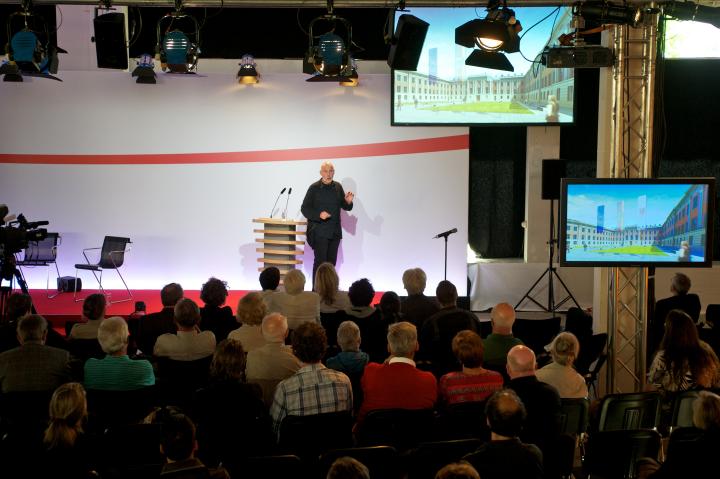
x=484 y=107
x=651 y=250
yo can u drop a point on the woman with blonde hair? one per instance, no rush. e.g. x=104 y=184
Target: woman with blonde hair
x=560 y=373
x=68 y=451
x=251 y=310
x=296 y=304
x=327 y=285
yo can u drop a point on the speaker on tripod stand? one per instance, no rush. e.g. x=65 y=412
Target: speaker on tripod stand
x=552 y=172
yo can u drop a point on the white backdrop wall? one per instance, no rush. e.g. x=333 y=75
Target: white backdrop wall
x=183 y=166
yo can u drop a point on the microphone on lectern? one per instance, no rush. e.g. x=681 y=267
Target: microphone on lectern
x=284 y=215
x=276 y=200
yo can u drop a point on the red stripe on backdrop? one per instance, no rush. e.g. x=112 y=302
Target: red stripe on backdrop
x=405 y=147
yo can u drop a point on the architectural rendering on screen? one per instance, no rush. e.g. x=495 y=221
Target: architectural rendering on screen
x=636 y=223
x=444 y=90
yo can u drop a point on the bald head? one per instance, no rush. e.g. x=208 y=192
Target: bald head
x=502 y=317
x=274 y=328
x=520 y=362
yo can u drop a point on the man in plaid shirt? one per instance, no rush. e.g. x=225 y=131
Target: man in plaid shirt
x=314 y=389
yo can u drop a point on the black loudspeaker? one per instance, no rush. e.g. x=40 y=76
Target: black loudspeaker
x=552 y=171
x=110 y=41
x=407 y=43
x=66 y=284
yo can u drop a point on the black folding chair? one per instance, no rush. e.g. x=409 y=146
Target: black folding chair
x=112 y=256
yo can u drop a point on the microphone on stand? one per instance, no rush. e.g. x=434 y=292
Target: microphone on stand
x=286 y=202
x=276 y=200
x=445 y=234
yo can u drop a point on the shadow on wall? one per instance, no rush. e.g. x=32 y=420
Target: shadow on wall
x=249 y=263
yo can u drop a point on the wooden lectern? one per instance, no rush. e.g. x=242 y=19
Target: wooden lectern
x=279 y=243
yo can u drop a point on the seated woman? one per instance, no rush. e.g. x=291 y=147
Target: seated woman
x=373 y=328
x=351 y=360
x=296 y=304
x=116 y=371
x=68 y=452
x=389 y=307
x=251 y=310
x=327 y=286
x=474 y=383
x=560 y=372
x=231 y=417
x=683 y=361
x=93 y=314
x=214 y=316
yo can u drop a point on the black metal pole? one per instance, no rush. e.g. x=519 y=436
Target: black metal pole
x=446 y=237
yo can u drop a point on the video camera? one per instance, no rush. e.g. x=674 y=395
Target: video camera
x=15 y=236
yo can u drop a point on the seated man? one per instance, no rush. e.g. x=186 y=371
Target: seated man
x=398 y=384
x=116 y=371
x=439 y=330
x=314 y=389
x=17 y=306
x=33 y=366
x=501 y=340
x=269 y=282
x=505 y=456
x=189 y=343
x=417 y=307
x=179 y=447
x=274 y=361
x=296 y=304
x=681 y=299
x=155 y=324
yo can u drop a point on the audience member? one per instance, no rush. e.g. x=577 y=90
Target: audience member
x=68 y=451
x=273 y=362
x=473 y=383
x=296 y=304
x=154 y=325
x=313 y=389
x=251 y=310
x=116 y=371
x=179 y=447
x=232 y=420
x=398 y=384
x=327 y=286
x=93 y=313
x=269 y=282
x=372 y=328
x=683 y=360
x=560 y=373
x=33 y=366
x=505 y=456
x=542 y=403
x=501 y=340
x=189 y=343
x=17 y=306
x=681 y=299
x=348 y=468
x=389 y=307
x=458 y=470
x=439 y=330
x=417 y=307
x=350 y=360
x=214 y=316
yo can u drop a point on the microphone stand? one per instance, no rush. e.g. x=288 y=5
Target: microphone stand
x=284 y=215
x=272 y=211
x=445 y=236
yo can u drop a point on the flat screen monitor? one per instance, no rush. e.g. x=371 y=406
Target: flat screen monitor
x=446 y=91
x=686 y=39
x=638 y=222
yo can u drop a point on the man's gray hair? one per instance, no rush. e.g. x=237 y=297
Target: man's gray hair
x=402 y=339
x=31 y=327
x=681 y=283
x=113 y=334
x=348 y=336
x=274 y=328
x=414 y=280
x=565 y=348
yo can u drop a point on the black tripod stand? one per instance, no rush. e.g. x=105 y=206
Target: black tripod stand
x=8 y=271
x=551 y=273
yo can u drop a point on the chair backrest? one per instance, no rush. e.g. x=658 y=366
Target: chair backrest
x=331 y=322
x=383 y=462
x=463 y=420
x=400 y=428
x=590 y=351
x=83 y=349
x=118 y=408
x=112 y=254
x=131 y=445
x=428 y=458
x=314 y=434
x=712 y=314
x=574 y=416
x=683 y=439
x=624 y=447
x=630 y=411
x=42 y=252
x=536 y=333
x=177 y=381
x=26 y=410
x=267 y=467
x=682 y=415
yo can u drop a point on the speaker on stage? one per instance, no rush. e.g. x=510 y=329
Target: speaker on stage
x=552 y=172
x=407 y=43
x=109 y=39
x=66 y=284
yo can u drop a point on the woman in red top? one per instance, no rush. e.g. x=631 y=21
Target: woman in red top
x=474 y=383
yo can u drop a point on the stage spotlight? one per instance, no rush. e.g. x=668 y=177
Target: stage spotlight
x=328 y=57
x=692 y=11
x=145 y=70
x=497 y=32
x=29 y=47
x=178 y=50
x=10 y=72
x=606 y=13
x=247 y=75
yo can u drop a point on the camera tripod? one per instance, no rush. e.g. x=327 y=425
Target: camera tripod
x=551 y=272
x=10 y=271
